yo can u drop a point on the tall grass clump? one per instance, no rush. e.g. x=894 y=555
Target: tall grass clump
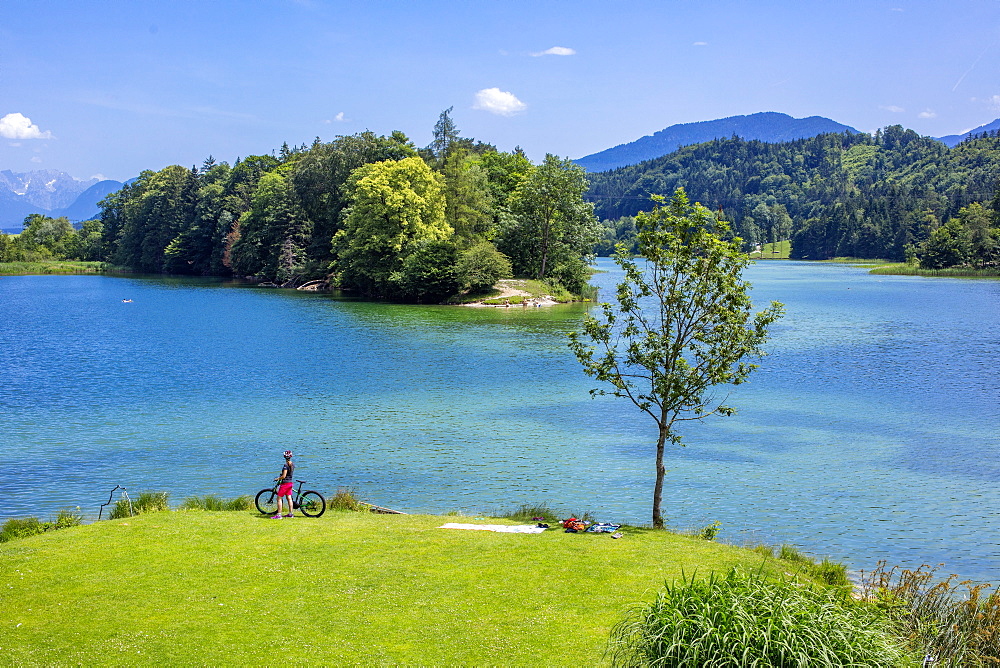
x=346 y=499
x=747 y=620
x=146 y=502
x=29 y=526
x=951 y=623
x=216 y=502
x=530 y=512
x=826 y=571
x=527 y=512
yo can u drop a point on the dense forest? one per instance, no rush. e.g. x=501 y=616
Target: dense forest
x=895 y=195
x=373 y=214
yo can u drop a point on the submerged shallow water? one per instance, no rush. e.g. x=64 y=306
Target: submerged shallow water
x=870 y=431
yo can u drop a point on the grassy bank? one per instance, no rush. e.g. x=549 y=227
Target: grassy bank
x=906 y=269
x=505 y=288
x=195 y=587
x=51 y=267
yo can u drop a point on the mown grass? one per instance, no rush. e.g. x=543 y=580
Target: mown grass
x=773 y=251
x=43 y=267
x=347 y=588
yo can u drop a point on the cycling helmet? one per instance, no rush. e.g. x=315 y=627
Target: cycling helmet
x=288 y=453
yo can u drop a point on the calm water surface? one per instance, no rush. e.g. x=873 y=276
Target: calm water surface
x=870 y=432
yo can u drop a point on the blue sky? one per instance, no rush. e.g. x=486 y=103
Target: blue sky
x=114 y=87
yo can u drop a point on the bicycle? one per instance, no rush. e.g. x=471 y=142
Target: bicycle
x=310 y=502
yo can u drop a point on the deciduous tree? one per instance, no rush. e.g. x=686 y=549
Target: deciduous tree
x=551 y=228
x=397 y=206
x=683 y=323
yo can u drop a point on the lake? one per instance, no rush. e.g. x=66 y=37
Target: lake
x=870 y=431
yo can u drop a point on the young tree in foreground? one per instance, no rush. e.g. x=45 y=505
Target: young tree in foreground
x=683 y=324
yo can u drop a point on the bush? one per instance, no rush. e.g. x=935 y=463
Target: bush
x=747 y=620
x=572 y=274
x=710 y=531
x=428 y=273
x=68 y=518
x=30 y=526
x=480 y=267
x=20 y=528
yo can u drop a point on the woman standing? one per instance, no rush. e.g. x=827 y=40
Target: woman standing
x=285 y=486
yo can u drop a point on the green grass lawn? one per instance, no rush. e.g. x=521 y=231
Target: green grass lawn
x=226 y=588
x=775 y=251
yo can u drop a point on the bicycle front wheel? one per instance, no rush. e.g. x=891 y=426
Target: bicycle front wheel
x=312 y=504
x=266 y=502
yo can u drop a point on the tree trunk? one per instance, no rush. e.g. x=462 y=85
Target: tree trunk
x=660 y=474
x=545 y=251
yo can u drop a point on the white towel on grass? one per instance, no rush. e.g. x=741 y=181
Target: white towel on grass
x=501 y=528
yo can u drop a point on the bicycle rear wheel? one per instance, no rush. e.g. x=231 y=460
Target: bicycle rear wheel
x=266 y=502
x=312 y=504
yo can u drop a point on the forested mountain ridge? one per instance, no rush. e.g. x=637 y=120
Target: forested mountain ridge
x=769 y=126
x=834 y=195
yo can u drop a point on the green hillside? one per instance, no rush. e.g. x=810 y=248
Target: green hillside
x=210 y=588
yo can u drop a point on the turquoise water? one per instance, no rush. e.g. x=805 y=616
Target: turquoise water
x=870 y=432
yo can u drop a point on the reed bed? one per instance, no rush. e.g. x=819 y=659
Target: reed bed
x=904 y=269
x=951 y=623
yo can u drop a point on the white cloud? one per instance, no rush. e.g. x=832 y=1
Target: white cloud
x=893 y=108
x=700 y=44
x=19 y=126
x=339 y=118
x=995 y=102
x=498 y=101
x=36 y=159
x=556 y=51
x=929 y=113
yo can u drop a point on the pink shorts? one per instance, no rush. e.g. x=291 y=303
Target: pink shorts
x=285 y=489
